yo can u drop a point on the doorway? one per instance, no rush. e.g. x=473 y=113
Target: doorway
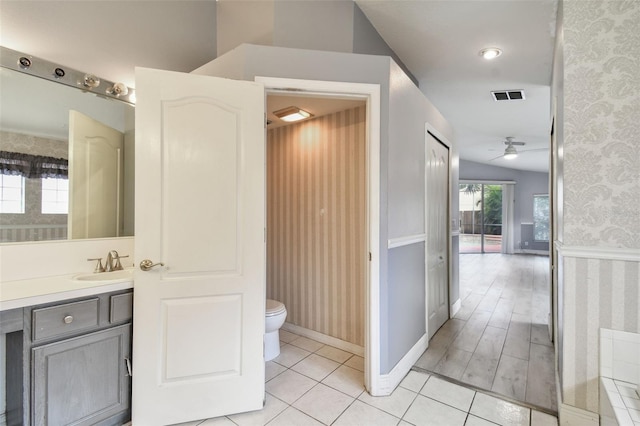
x=481 y=224
x=316 y=216
x=370 y=94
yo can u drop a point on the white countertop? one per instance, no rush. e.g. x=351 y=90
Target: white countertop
x=21 y=293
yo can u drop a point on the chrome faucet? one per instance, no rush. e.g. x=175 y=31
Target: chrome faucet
x=109 y=266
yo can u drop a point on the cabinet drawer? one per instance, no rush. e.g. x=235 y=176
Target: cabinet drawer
x=121 y=307
x=64 y=319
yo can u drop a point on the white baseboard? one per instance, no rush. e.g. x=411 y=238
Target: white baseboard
x=388 y=382
x=540 y=252
x=573 y=416
x=323 y=338
x=568 y=415
x=455 y=308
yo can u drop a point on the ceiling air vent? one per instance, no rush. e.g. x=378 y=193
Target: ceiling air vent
x=508 y=95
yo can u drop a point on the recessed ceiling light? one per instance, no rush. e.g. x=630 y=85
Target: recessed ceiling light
x=292 y=113
x=490 y=53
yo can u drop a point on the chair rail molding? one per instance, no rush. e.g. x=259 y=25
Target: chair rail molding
x=406 y=240
x=594 y=252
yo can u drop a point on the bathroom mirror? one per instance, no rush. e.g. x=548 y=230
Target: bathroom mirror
x=66 y=155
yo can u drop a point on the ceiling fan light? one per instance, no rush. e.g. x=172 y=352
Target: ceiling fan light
x=510 y=153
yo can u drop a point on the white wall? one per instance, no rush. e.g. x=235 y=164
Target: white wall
x=257 y=28
x=50 y=258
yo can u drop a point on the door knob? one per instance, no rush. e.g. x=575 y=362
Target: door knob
x=147 y=264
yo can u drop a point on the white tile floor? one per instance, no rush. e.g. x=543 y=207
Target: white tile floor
x=314 y=384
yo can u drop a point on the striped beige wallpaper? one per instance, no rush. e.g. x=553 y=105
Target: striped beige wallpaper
x=598 y=293
x=316 y=205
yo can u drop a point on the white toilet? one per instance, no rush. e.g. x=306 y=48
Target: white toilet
x=276 y=313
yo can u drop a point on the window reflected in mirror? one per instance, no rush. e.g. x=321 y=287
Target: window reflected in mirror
x=66 y=162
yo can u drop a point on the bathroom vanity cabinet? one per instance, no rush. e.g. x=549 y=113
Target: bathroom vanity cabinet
x=68 y=362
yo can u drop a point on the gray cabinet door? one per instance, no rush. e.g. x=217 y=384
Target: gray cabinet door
x=83 y=380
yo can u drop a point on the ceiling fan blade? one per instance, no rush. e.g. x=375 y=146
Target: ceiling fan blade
x=499 y=156
x=533 y=150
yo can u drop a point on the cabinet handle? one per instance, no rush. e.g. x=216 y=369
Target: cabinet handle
x=68 y=319
x=127 y=361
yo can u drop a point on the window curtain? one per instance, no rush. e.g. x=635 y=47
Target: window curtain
x=33 y=166
x=508 y=204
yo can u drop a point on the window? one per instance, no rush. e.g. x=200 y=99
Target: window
x=481 y=227
x=11 y=194
x=541 y=217
x=55 y=196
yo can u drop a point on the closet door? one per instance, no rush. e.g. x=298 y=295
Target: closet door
x=437 y=226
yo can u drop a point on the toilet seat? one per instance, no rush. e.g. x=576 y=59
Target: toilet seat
x=274 y=308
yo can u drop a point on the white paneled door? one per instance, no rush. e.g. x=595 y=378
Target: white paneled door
x=200 y=211
x=96 y=187
x=437 y=226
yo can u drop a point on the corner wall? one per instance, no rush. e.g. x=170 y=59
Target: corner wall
x=599 y=186
x=367 y=40
x=332 y=26
x=402 y=139
x=403 y=294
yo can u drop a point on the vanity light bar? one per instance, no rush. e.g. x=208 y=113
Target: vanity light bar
x=41 y=68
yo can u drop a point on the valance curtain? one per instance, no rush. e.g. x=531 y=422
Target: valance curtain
x=33 y=166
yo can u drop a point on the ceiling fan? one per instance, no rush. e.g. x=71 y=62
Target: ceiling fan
x=510 y=152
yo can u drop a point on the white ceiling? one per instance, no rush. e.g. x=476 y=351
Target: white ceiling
x=438 y=40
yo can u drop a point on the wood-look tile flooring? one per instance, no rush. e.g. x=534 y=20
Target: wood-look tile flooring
x=499 y=338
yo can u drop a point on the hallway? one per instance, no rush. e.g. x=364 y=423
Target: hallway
x=499 y=339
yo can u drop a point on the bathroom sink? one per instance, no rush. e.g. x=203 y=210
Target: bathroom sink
x=106 y=277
